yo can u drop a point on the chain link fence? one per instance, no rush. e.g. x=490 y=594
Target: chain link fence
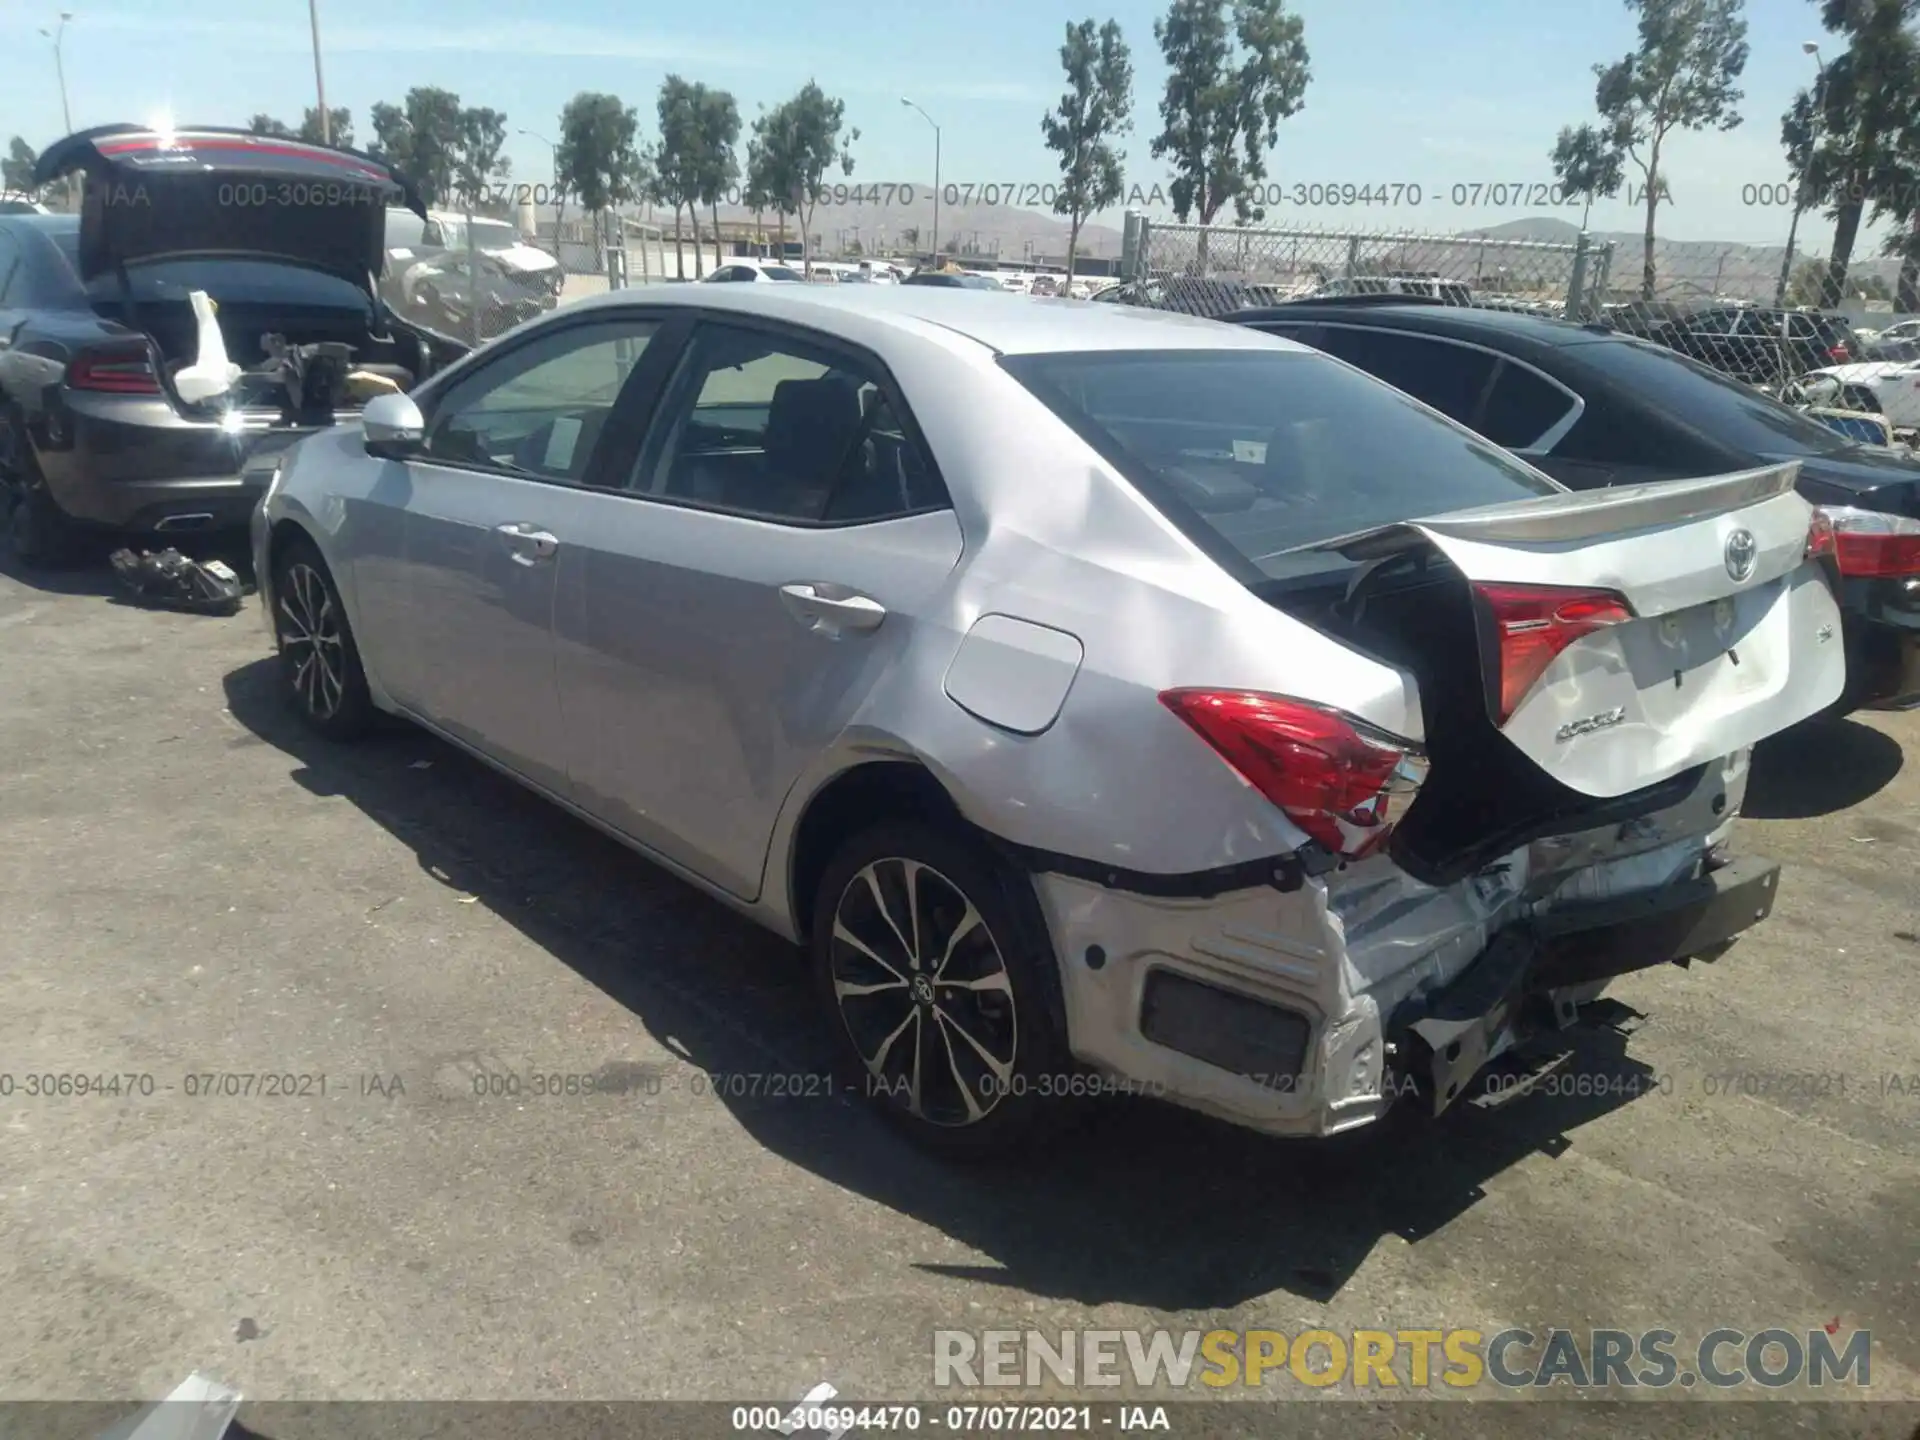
x=1720 y=305
x=1215 y=269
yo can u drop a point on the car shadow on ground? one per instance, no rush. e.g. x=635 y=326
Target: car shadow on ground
x=1819 y=768
x=1141 y=1204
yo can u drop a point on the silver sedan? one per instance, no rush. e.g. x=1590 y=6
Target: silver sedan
x=1079 y=684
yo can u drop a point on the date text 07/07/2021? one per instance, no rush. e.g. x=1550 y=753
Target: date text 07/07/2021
x=1042 y=195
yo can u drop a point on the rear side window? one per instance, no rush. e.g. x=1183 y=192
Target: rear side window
x=1267 y=451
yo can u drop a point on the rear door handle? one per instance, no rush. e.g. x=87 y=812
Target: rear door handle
x=529 y=544
x=832 y=609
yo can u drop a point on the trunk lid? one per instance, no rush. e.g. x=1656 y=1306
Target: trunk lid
x=208 y=192
x=1728 y=633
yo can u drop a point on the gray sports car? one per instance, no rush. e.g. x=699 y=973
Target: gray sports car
x=1080 y=684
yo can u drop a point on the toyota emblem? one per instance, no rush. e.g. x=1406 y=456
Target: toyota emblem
x=1741 y=550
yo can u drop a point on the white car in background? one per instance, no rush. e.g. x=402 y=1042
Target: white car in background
x=1894 y=383
x=410 y=237
x=747 y=269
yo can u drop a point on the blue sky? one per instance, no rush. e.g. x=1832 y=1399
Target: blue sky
x=1404 y=91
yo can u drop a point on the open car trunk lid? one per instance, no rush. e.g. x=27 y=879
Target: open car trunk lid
x=208 y=192
x=1728 y=632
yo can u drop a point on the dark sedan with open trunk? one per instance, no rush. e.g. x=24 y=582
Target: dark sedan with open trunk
x=282 y=241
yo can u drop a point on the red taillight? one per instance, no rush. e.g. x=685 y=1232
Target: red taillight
x=116 y=371
x=1839 y=354
x=1344 y=787
x=1872 y=545
x=1820 y=541
x=1534 y=623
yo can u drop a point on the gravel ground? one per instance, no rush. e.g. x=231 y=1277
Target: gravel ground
x=191 y=887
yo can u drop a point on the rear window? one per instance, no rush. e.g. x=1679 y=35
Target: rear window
x=1722 y=409
x=238 y=282
x=1270 y=451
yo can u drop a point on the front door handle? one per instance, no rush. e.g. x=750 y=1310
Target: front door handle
x=832 y=609
x=529 y=544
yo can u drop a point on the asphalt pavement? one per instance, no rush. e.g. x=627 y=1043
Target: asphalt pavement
x=312 y=970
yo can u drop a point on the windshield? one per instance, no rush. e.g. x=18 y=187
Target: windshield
x=487 y=235
x=237 y=282
x=1704 y=400
x=1271 y=450
x=779 y=272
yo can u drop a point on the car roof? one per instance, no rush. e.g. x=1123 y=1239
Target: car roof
x=1011 y=327
x=1462 y=322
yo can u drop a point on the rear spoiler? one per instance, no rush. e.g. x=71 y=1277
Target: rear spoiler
x=1579 y=514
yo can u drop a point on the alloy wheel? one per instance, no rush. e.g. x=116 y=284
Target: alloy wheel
x=310 y=640
x=924 y=992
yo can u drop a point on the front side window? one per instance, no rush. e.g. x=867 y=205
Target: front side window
x=778 y=429
x=1451 y=378
x=1271 y=451
x=538 y=409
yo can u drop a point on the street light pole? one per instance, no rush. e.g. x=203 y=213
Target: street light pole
x=59 y=65
x=936 y=175
x=559 y=195
x=1800 y=185
x=319 y=80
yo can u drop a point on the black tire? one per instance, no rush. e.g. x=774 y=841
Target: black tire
x=319 y=662
x=993 y=1066
x=39 y=533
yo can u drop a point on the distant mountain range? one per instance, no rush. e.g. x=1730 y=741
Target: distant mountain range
x=1011 y=232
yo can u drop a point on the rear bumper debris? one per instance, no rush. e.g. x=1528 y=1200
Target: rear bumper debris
x=1443 y=1040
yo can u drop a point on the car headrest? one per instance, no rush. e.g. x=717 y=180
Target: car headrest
x=810 y=424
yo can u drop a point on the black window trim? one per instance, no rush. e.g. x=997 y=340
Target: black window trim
x=639 y=382
x=800 y=335
x=1544 y=443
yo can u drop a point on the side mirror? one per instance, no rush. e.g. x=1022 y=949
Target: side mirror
x=392 y=426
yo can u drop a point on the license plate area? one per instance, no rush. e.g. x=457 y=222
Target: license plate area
x=1730 y=646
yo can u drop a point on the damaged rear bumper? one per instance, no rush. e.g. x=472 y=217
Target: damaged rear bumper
x=1255 y=1007
x=1443 y=1039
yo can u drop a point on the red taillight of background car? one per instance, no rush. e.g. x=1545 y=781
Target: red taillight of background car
x=1872 y=545
x=1839 y=354
x=1534 y=623
x=1344 y=785
x=114 y=370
